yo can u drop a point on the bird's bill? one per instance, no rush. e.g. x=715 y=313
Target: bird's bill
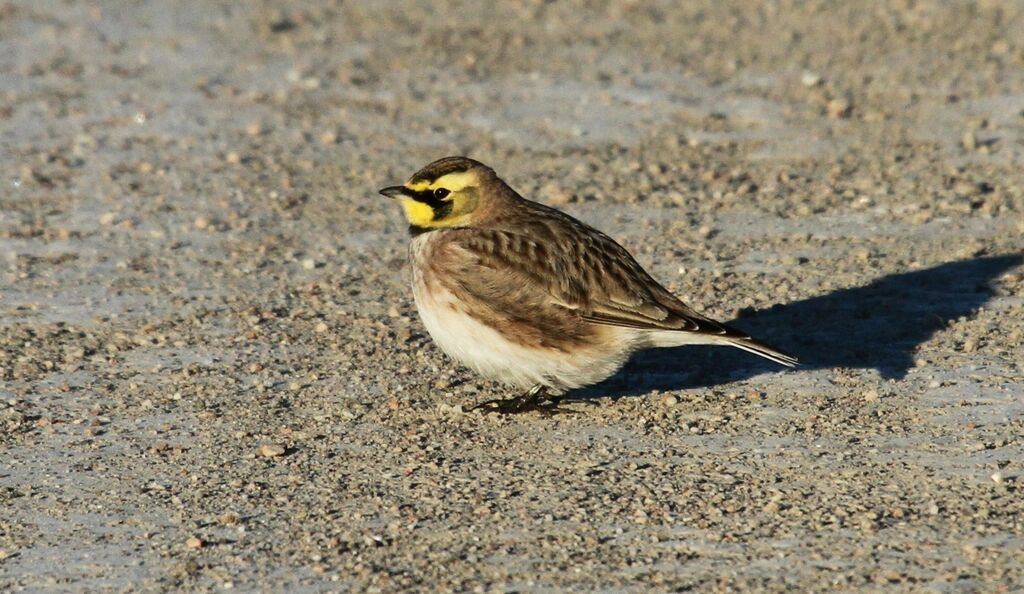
x=395 y=191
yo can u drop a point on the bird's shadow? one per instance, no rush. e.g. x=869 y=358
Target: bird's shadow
x=878 y=326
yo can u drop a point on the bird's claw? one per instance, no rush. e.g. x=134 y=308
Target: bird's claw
x=547 y=406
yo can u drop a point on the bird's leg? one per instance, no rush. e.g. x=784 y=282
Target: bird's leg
x=537 y=399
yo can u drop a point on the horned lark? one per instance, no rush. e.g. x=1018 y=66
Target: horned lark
x=528 y=295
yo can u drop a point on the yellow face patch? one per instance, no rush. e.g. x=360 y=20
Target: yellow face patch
x=453 y=210
x=417 y=213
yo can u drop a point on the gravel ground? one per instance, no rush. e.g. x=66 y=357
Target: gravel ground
x=212 y=375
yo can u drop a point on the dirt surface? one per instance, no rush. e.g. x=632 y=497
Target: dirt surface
x=212 y=375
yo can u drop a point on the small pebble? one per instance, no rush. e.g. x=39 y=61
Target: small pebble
x=230 y=519
x=997 y=478
x=969 y=140
x=839 y=108
x=450 y=409
x=194 y=543
x=271 y=450
x=810 y=79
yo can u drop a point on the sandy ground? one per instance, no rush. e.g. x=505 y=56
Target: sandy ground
x=212 y=375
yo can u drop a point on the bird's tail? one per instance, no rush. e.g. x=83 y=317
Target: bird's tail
x=752 y=345
x=723 y=335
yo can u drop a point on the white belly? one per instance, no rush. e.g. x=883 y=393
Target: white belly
x=490 y=354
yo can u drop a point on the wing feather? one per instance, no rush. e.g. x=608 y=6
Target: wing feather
x=558 y=260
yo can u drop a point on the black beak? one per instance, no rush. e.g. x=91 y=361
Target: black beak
x=395 y=191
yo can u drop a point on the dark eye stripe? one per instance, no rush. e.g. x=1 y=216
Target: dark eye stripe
x=441 y=208
x=426 y=197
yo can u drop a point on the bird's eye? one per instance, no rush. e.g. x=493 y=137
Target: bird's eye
x=440 y=193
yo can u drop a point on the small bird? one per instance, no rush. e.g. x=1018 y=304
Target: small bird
x=528 y=295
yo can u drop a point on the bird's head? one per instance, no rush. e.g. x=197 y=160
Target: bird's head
x=449 y=192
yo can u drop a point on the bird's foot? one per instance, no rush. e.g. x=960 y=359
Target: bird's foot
x=536 y=400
